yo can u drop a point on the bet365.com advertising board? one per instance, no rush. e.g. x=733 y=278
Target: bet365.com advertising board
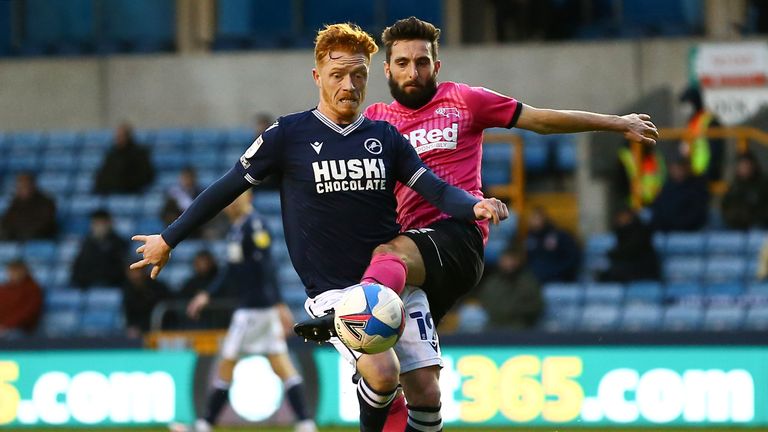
x=89 y=388
x=582 y=386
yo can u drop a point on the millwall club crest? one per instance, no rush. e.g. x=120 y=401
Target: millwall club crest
x=373 y=146
x=448 y=112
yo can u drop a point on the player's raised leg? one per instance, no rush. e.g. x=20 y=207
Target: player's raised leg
x=377 y=388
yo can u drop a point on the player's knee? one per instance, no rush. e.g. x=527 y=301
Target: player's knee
x=383 y=375
x=386 y=248
x=428 y=396
x=422 y=388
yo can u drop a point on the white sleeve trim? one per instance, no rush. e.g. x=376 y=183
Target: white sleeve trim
x=416 y=176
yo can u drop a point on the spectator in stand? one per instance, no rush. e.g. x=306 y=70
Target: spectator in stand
x=101 y=260
x=262 y=121
x=179 y=196
x=705 y=154
x=205 y=272
x=746 y=203
x=31 y=214
x=633 y=257
x=511 y=295
x=553 y=254
x=683 y=203
x=140 y=296
x=127 y=167
x=21 y=301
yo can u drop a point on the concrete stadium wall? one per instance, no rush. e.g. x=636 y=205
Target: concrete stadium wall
x=227 y=89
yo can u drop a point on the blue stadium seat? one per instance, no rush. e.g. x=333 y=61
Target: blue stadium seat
x=59 y=323
x=604 y=293
x=565 y=152
x=683 y=243
x=724 y=289
x=84 y=205
x=171 y=160
x=294 y=295
x=206 y=177
x=27 y=141
x=275 y=225
x=267 y=202
x=186 y=250
x=83 y=182
x=725 y=269
x=9 y=251
x=683 y=269
x=429 y=10
x=535 y=153
x=239 y=138
x=641 y=317
x=153 y=203
x=496 y=164
x=757 y=317
x=149 y=225
x=100 y=322
x=600 y=244
x=753 y=263
x=644 y=292
x=726 y=243
x=103 y=297
x=90 y=160
x=205 y=160
x=660 y=243
x=64 y=140
x=755 y=241
x=55 y=182
x=62 y=275
x=684 y=289
x=472 y=318
x=124 y=205
x=726 y=317
x=67 y=250
x=600 y=317
x=757 y=292
x=64 y=299
x=134 y=21
x=170 y=137
x=22 y=160
x=561 y=318
x=43 y=274
x=59 y=160
x=76 y=226
x=563 y=293
x=682 y=318
x=125 y=227
x=316 y=14
x=39 y=251
x=206 y=138
x=219 y=249
x=177 y=275
x=280 y=251
x=97 y=139
x=493 y=250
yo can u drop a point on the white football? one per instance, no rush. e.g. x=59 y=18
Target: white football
x=370 y=318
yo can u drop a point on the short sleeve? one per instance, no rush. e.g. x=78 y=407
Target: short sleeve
x=408 y=164
x=264 y=155
x=491 y=109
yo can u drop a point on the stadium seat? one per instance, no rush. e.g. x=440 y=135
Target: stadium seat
x=148 y=225
x=680 y=243
x=239 y=138
x=64 y=140
x=757 y=292
x=725 y=269
x=294 y=295
x=172 y=160
x=9 y=251
x=472 y=318
x=535 y=154
x=27 y=141
x=55 y=182
x=206 y=177
x=59 y=323
x=62 y=275
x=152 y=204
x=600 y=244
x=287 y=275
x=493 y=249
x=565 y=152
x=103 y=298
x=205 y=160
x=726 y=243
x=496 y=164
x=641 y=317
x=125 y=227
x=177 y=275
x=22 y=160
x=124 y=205
x=64 y=299
x=683 y=269
x=76 y=226
x=563 y=293
x=185 y=251
x=99 y=139
x=681 y=290
x=39 y=251
x=660 y=243
x=724 y=289
x=561 y=318
x=644 y=292
x=757 y=318
x=206 y=138
x=100 y=322
x=59 y=160
x=755 y=241
x=43 y=274
x=604 y=293
x=429 y=10
x=82 y=182
x=599 y=317
x=90 y=160
x=723 y=317
x=84 y=205
x=682 y=318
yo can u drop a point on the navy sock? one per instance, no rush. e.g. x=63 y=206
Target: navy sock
x=424 y=419
x=294 y=389
x=216 y=400
x=374 y=407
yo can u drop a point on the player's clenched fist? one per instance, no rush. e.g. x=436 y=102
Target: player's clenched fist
x=156 y=253
x=491 y=209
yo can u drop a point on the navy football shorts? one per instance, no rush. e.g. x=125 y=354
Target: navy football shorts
x=452 y=251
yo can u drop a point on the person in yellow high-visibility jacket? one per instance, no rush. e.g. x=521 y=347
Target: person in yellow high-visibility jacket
x=642 y=179
x=705 y=154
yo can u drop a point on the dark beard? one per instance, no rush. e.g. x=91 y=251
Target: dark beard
x=416 y=99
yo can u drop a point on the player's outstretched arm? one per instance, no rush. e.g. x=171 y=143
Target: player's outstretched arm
x=634 y=127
